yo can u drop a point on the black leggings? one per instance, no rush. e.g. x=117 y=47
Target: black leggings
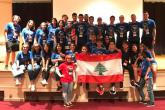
x=45 y=74
x=130 y=70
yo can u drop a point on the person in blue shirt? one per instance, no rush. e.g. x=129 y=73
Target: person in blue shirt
x=53 y=24
x=51 y=38
x=84 y=51
x=72 y=52
x=149 y=32
x=101 y=28
x=146 y=78
x=81 y=32
x=134 y=28
x=153 y=62
x=110 y=29
x=35 y=66
x=86 y=18
x=112 y=50
x=21 y=63
x=121 y=31
x=92 y=43
x=41 y=34
x=65 y=19
x=74 y=18
x=28 y=33
x=60 y=34
x=51 y=32
x=99 y=48
x=57 y=58
x=106 y=42
x=46 y=63
x=69 y=37
x=12 y=33
x=91 y=28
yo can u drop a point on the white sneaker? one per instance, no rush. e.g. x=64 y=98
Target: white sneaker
x=44 y=82
x=17 y=82
x=29 y=86
x=154 y=86
x=32 y=87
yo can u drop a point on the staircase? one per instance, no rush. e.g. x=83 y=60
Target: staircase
x=10 y=92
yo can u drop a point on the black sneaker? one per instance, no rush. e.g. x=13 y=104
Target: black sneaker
x=11 y=63
x=87 y=86
x=121 y=85
x=59 y=88
x=132 y=84
x=150 y=104
x=6 y=67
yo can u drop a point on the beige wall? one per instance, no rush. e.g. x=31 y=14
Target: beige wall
x=103 y=8
x=5 y=14
x=31 y=1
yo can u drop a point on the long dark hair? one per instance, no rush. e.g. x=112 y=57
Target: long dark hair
x=33 y=48
x=62 y=49
x=63 y=23
x=144 y=48
x=49 y=49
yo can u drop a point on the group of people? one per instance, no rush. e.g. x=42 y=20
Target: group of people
x=51 y=49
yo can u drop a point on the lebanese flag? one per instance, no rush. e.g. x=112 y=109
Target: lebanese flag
x=99 y=68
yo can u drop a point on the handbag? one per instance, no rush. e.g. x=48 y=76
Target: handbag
x=16 y=71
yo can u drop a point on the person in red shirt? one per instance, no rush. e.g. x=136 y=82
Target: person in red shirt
x=67 y=77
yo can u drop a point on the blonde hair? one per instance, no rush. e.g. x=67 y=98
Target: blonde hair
x=19 y=18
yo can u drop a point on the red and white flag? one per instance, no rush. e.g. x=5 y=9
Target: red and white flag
x=99 y=68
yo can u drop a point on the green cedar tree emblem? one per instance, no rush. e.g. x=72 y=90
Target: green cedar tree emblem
x=100 y=68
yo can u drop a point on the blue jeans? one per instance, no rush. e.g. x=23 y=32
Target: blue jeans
x=140 y=89
x=67 y=91
x=33 y=72
x=149 y=83
x=150 y=89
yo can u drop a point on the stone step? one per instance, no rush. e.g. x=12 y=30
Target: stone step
x=1 y=95
x=14 y=93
